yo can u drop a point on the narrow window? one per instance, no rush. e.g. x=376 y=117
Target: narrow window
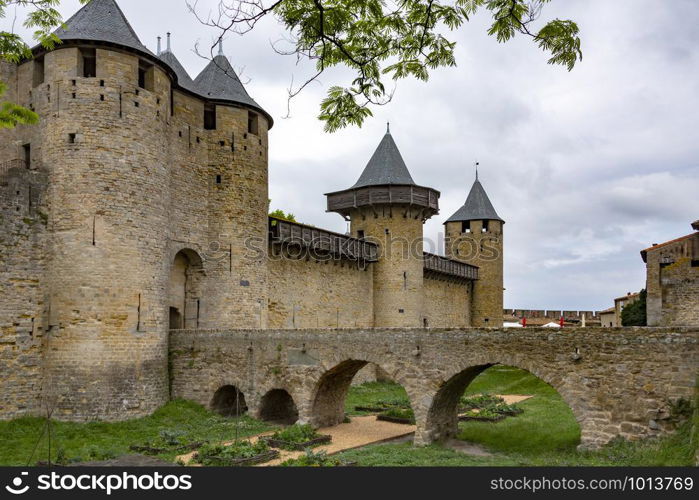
x=466 y=227
x=27 y=150
x=146 y=76
x=252 y=123
x=218 y=179
x=210 y=117
x=38 y=77
x=71 y=138
x=425 y=323
x=360 y=234
x=88 y=58
x=485 y=226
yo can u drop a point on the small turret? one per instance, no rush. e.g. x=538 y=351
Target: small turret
x=474 y=234
x=386 y=206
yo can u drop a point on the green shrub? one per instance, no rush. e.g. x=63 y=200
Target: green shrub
x=311 y=459
x=296 y=434
x=480 y=401
x=634 y=314
x=236 y=451
x=402 y=413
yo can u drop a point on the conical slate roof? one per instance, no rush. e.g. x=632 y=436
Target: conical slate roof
x=103 y=21
x=183 y=79
x=219 y=81
x=385 y=167
x=477 y=206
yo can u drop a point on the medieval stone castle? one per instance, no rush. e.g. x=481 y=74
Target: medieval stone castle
x=139 y=206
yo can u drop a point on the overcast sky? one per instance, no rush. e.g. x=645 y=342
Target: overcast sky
x=587 y=167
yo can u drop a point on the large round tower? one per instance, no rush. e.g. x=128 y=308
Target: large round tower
x=474 y=234
x=387 y=207
x=155 y=185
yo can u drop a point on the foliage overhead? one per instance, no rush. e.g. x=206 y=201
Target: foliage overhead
x=43 y=18
x=387 y=40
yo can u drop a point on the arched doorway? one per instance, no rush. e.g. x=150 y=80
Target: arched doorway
x=278 y=406
x=185 y=290
x=229 y=401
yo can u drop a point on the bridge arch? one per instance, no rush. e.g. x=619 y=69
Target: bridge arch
x=442 y=416
x=229 y=401
x=327 y=403
x=278 y=405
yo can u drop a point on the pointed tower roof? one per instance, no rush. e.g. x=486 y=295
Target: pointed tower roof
x=101 y=21
x=477 y=206
x=183 y=79
x=386 y=166
x=219 y=82
x=385 y=181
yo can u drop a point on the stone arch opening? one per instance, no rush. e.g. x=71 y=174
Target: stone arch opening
x=442 y=416
x=331 y=391
x=185 y=290
x=229 y=401
x=278 y=406
x=330 y=394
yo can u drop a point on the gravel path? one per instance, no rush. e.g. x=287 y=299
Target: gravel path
x=361 y=431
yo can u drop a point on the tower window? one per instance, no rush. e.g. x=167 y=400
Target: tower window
x=360 y=234
x=27 y=150
x=38 y=77
x=71 y=138
x=146 y=76
x=252 y=123
x=466 y=227
x=219 y=180
x=88 y=60
x=210 y=117
x=485 y=226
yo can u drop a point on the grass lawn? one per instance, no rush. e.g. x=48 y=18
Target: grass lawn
x=545 y=434
x=100 y=440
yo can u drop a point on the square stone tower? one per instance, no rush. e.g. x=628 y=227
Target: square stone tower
x=474 y=234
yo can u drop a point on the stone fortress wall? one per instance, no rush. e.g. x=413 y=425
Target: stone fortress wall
x=126 y=213
x=122 y=176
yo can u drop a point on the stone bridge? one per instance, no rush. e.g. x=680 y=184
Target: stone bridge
x=617 y=382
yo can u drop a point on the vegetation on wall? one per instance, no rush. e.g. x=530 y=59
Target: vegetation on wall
x=280 y=214
x=634 y=314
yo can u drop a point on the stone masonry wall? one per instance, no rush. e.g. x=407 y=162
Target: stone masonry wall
x=616 y=382
x=313 y=294
x=128 y=184
x=484 y=250
x=447 y=303
x=672 y=283
x=398 y=275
